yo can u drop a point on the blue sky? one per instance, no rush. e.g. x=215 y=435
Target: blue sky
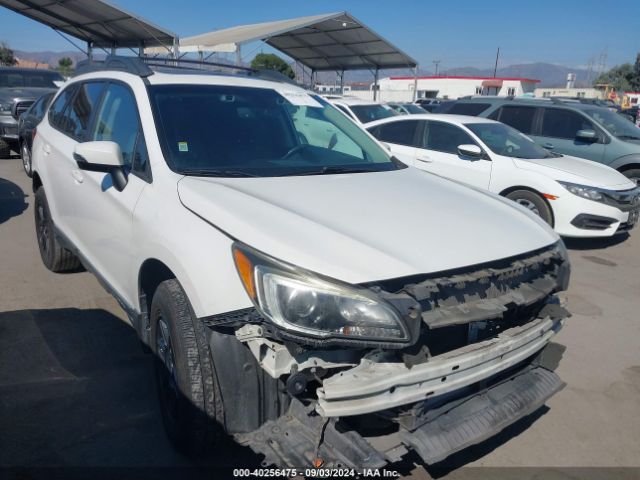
x=457 y=32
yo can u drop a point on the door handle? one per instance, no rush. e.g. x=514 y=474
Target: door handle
x=46 y=148
x=77 y=176
x=424 y=159
x=548 y=146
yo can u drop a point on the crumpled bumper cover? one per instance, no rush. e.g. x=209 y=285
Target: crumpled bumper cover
x=374 y=386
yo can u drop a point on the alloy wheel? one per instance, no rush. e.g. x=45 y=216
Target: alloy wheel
x=528 y=204
x=26 y=159
x=167 y=375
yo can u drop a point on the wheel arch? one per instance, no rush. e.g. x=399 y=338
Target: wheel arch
x=629 y=166
x=151 y=274
x=508 y=190
x=36 y=181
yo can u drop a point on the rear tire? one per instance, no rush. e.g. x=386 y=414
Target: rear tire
x=25 y=153
x=190 y=398
x=5 y=149
x=633 y=174
x=533 y=202
x=54 y=256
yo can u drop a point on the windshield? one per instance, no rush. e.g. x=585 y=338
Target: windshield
x=371 y=113
x=215 y=130
x=43 y=79
x=413 y=108
x=507 y=141
x=614 y=123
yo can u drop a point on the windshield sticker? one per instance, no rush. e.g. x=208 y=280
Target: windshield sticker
x=299 y=98
x=183 y=146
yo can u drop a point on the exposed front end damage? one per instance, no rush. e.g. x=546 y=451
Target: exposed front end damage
x=477 y=363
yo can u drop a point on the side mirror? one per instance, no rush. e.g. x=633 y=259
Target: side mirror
x=587 y=135
x=472 y=151
x=102 y=157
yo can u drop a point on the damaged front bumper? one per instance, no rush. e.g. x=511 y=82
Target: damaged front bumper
x=373 y=386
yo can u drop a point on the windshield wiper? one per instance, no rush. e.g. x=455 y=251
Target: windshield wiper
x=217 y=173
x=331 y=171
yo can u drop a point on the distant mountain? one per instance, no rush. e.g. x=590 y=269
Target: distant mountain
x=550 y=75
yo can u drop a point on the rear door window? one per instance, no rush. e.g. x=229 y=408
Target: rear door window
x=562 y=123
x=56 y=113
x=400 y=133
x=520 y=118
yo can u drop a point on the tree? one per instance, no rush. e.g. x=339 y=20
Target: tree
x=269 y=61
x=65 y=65
x=6 y=56
x=625 y=77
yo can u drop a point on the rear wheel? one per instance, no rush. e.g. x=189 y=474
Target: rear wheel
x=190 y=398
x=633 y=174
x=25 y=152
x=54 y=256
x=533 y=202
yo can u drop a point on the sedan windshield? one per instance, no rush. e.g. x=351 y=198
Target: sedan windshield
x=413 y=108
x=17 y=78
x=215 y=130
x=507 y=141
x=371 y=113
x=616 y=125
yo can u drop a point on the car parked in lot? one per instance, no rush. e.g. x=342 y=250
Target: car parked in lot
x=406 y=108
x=362 y=111
x=27 y=124
x=577 y=197
x=19 y=88
x=296 y=297
x=567 y=127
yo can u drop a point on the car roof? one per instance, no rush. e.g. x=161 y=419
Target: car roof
x=444 y=117
x=353 y=101
x=529 y=101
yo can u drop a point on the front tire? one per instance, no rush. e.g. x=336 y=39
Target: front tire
x=189 y=393
x=5 y=149
x=533 y=202
x=54 y=256
x=25 y=153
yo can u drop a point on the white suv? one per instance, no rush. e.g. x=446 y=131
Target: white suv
x=298 y=297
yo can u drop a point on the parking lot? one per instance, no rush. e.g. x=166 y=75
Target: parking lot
x=77 y=390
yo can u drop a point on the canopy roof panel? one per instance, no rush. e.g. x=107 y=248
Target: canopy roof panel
x=335 y=41
x=95 y=21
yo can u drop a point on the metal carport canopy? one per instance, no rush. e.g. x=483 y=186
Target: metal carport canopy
x=97 y=22
x=335 y=41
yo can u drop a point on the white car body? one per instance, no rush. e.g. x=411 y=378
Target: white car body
x=501 y=173
x=349 y=230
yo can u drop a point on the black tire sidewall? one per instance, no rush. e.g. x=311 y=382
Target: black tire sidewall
x=41 y=200
x=632 y=173
x=540 y=203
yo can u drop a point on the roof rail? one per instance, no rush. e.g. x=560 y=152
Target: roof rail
x=143 y=67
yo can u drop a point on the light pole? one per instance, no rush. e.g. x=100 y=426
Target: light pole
x=436 y=62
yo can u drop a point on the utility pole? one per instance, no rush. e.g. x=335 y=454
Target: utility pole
x=495 y=68
x=436 y=63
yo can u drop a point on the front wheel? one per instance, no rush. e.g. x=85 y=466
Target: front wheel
x=189 y=394
x=25 y=152
x=533 y=202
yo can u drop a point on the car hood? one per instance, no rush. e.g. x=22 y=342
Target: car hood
x=577 y=170
x=10 y=94
x=367 y=226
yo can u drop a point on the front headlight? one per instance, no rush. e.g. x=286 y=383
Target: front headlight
x=305 y=303
x=584 y=191
x=5 y=108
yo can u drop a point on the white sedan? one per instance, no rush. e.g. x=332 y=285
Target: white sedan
x=579 y=198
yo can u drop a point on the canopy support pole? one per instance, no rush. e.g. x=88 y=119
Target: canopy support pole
x=342 y=82
x=238 y=55
x=313 y=79
x=375 y=84
x=415 y=83
x=90 y=52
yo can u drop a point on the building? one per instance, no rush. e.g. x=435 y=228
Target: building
x=586 y=92
x=401 y=89
x=633 y=98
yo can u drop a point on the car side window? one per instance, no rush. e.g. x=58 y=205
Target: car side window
x=400 y=133
x=474 y=109
x=561 y=123
x=117 y=120
x=56 y=112
x=345 y=111
x=140 y=156
x=444 y=137
x=78 y=112
x=520 y=118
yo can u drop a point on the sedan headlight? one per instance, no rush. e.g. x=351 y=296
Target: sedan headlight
x=307 y=304
x=584 y=191
x=5 y=108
